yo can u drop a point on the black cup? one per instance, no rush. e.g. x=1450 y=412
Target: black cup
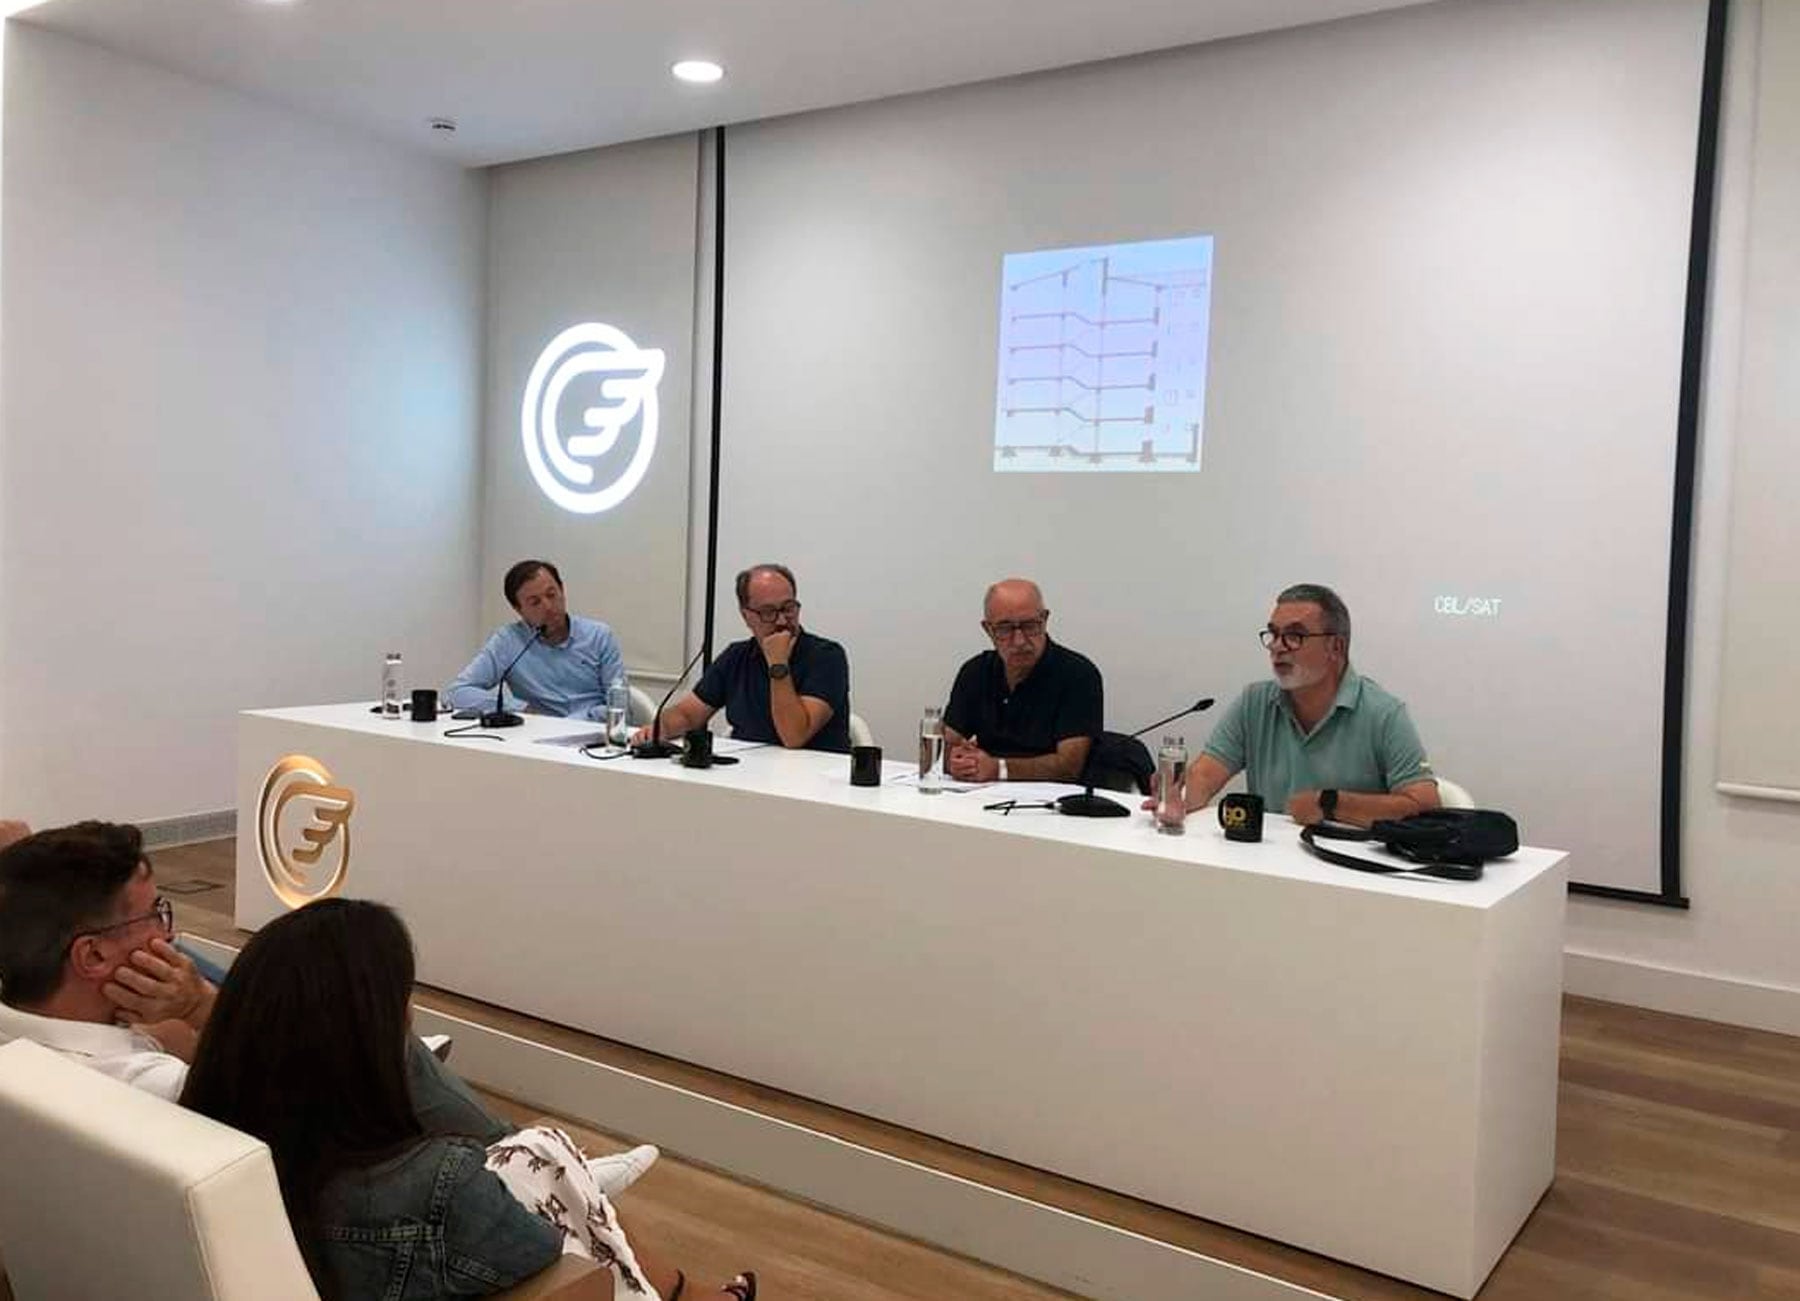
x=865 y=765
x=1242 y=816
x=697 y=749
x=424 y=705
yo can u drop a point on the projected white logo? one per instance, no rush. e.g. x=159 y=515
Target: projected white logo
x=590 y=472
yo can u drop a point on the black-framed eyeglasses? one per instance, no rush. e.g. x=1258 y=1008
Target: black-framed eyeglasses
x=1290 y=639
x=162 y=911
x=774 y=613
x=1007 y=629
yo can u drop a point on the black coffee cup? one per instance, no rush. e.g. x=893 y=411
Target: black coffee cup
x=697 y=749
x=1242 y=816
x=424 y=705
x=865 y=765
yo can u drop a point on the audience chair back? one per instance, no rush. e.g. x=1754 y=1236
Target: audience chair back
x=108 y=1191
x=112 y=1192
x=1452 y=796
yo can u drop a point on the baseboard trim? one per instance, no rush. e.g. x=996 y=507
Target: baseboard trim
x=190 y=829
x=945 y=1211
x=1753 y=1004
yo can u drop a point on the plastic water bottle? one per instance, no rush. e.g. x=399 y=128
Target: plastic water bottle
x=931 y=752
x=618 y=705
x=1171 y=781
x=390 y=685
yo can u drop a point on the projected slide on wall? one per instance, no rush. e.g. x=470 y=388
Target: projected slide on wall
x=1103 y=357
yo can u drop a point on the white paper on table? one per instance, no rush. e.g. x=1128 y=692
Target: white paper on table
x=1035 y=792
x=733 y=745
x=575 y=741
x=911 y=778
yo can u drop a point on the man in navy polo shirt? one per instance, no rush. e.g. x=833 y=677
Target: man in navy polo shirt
x=1027 y=710
x=781 y=684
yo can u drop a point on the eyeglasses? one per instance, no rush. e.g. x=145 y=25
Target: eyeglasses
x=772 y=613
x=1290 y=639
x=1007 y=629
x=162 y=911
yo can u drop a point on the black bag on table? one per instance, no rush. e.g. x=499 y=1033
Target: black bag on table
x=1448 y=843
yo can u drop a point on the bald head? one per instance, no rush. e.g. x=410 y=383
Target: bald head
x=1012 y=598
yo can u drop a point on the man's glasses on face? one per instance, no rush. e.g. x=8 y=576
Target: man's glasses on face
x=162 y=911
x=775 y=613
x=1290 y=639
x=1007 y=629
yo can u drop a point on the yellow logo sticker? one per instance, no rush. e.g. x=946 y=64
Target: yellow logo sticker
x=294 y=868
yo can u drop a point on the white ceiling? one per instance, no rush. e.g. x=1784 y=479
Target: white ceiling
x=530 y=77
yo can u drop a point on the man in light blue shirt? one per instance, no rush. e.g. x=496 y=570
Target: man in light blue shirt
x=1319 y=741
x=564 y=672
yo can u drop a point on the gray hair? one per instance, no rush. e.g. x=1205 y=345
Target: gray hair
x=745 y=575
x=1337 y=614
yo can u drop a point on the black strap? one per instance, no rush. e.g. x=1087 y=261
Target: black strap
x=1336 y=831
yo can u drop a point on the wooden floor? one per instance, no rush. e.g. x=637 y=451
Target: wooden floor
x=1677 y=1171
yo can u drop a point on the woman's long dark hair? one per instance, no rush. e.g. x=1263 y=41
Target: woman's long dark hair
x=306 y=1048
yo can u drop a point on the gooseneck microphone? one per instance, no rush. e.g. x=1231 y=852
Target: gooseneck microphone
x=1089 y=805
x=499 y=716
x=1200 y=706
x=656 y=747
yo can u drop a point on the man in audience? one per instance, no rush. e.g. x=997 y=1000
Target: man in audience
x=781 y=685
x=1027 y=710
x=1319 y=740
x=87 y=968
x=565 y=662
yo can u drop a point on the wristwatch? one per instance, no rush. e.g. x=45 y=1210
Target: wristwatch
x=778 y=672
x=1328 y=804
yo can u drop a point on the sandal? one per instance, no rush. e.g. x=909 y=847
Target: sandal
x=743 y=1287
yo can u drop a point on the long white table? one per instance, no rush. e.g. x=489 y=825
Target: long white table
x=1361 y=1066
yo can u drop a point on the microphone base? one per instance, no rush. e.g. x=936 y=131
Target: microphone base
x=655 y=750
x=501 y=718
x=1090 y=805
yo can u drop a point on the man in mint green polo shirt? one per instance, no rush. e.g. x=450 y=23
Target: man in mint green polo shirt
x=1320 y=740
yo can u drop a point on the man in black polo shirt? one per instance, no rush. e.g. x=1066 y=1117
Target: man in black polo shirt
x=781 y=684
x=1027 y=710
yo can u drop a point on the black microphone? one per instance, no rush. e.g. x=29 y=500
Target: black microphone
x=498 y=716
x=1089 y=805
x=1200 y=706
x=656 y=747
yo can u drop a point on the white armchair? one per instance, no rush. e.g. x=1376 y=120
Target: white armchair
x=112 y=1192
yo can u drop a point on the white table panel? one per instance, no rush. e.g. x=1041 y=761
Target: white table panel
x=1362 y=1066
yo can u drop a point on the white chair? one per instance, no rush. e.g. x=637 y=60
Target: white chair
x=643 y=708
x=1452 y=796
x=112 y=1192
x=859 y=730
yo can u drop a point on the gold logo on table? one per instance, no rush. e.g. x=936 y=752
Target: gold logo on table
x=310 y=867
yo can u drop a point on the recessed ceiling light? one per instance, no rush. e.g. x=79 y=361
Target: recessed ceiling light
x=699 y=71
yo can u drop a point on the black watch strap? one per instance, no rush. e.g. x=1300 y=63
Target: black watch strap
x=1328 y=803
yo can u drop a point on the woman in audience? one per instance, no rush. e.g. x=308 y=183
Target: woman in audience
x=306 y=1050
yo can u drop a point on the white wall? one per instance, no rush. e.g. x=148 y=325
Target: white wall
x=239 y=415
x=609 y=236
x=1445 y=353
x=1733 y=956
